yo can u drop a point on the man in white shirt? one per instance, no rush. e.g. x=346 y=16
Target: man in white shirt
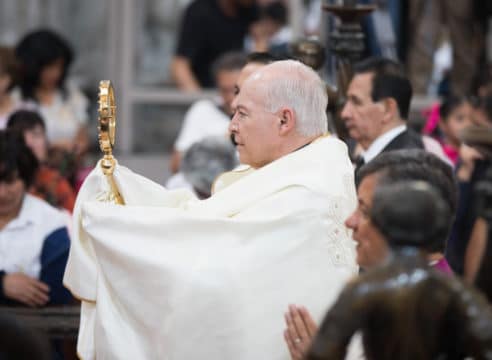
x=377 y=107
x=34 y=240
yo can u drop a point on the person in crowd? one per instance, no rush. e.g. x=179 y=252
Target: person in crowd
x=377 y=106
x=403 y=309
x=468 y=232
x=48 y=183
x=385 y=29
x=33 y=236
x=397 y=166
x=45 y=59
x=204 y=161
x=453 y=116
x=8 y=79
x=373 y=249
x=425 y=19
x=206 y=118
x=480 y=254
x=209 y=28
x=263 y=227
x=416 y=165
x=270 y=32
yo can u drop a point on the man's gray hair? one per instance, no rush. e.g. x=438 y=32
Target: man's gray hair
x=299 y=87
x=207 y=159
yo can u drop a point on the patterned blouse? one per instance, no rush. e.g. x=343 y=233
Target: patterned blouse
x=52 y=187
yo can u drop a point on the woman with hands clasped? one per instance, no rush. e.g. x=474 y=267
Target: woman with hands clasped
x=300 y=331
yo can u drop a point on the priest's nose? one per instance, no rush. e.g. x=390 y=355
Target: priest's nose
x=233 y=127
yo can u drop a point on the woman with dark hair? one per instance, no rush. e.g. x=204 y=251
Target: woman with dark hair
x=34 y=240
x=404 y=309
x=45 y=58
x=49 y=184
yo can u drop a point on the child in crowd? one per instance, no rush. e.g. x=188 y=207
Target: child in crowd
x=447 y=121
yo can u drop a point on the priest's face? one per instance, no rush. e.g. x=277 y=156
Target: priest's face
x=254 y=128
x=372 y=248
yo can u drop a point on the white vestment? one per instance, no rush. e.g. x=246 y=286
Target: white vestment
x=167 y=276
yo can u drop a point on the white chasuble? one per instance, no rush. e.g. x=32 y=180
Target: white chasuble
x=167 y=276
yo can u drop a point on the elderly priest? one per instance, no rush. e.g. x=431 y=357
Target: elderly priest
x=167 y=276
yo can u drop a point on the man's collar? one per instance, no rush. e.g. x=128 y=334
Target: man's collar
x=381 y=142
x=27 y=214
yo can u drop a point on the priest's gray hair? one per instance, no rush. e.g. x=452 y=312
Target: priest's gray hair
x=299 y=87
x=207 y=159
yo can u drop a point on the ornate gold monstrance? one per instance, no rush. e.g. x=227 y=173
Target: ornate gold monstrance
x=107 y=132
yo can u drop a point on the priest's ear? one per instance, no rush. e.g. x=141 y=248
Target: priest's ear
x=286 y=121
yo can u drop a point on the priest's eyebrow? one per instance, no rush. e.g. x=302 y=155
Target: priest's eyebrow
x=242 y=108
